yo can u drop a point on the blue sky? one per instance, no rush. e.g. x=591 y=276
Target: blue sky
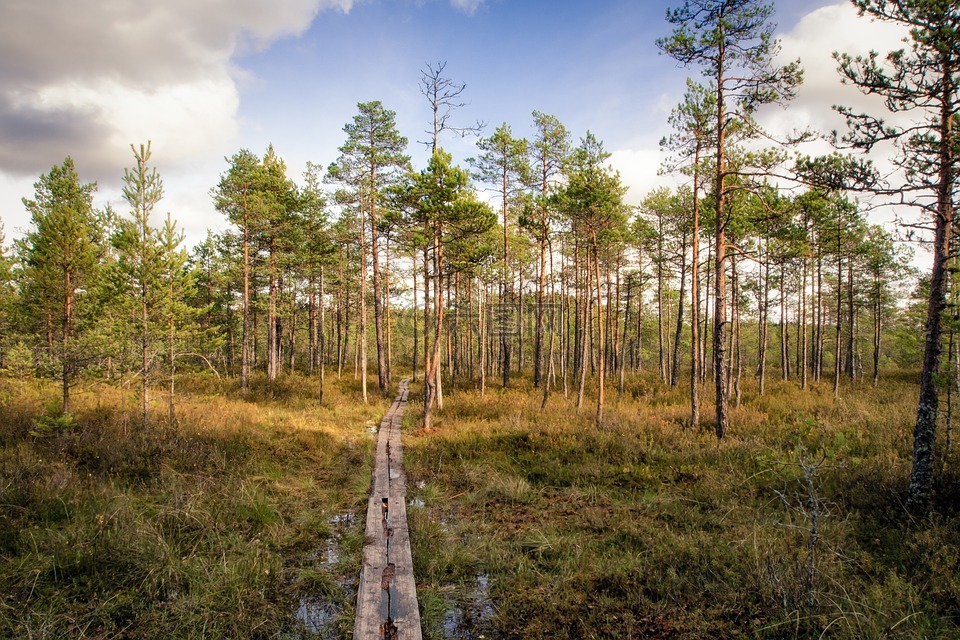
x=202 y=83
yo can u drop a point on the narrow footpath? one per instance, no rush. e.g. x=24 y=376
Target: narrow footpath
x=387 y=598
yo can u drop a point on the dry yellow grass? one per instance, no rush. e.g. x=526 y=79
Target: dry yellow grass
x=237 y=522
x=644 y=528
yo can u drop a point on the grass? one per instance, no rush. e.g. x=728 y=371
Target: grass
x=644 y=529
x=242 y=522
x=224 y=526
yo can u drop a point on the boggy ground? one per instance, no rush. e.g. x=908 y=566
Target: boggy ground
x=237 y=523
x=536 y=524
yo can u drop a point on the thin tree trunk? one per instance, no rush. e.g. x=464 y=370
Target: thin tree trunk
x=675 y=369
x=553 y=334
x=600 y=331
x=623 y=342
x=362 y=328
x=803 y=325
x=784 y=327
x=737 y=351
x=851 y=321
x=584 y=324
x=764 y=319
x=245 y=339
x=321 y=362
x=482 y=316
x=416 y=319
x=273 y=346
x=426 y=310
x=386 y=311
x=431 y=381
x=837 y=354
x=877 y=314
x=695 y=298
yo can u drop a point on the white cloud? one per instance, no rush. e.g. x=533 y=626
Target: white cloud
x=638 y=171
x=467 y=6
x=813 y=40
x=89 y=78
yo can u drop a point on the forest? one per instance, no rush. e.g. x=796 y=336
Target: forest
x=726 y=412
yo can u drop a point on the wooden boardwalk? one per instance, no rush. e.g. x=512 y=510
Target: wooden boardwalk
x=387 y=598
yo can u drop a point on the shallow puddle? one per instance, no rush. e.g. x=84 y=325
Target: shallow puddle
x=470 y=616
x=320 y=612
x=316 y=616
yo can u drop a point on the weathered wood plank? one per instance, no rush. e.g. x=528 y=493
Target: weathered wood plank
x=387 y=598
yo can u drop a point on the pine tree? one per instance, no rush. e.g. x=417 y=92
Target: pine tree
x=61 y=257
x=504 y=164
x=921 y=80
x=692 y=140
x=140 y=267
x=593 y=200
x=549 y=153
x=371 y=158
x=237 y=196
x=442 y=201
x=178 y=318
x=732 y=41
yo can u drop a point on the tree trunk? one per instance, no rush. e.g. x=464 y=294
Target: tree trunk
x=426 y=310
x=362 y=320
x=600 y=334
x=920 y=489
x=675 y=369
x=322 y=360
x=695 y=298
x=386 y=312
x=377 y=286
x=416 y=319
x=553 y=333
x=851 y=317
x=764 y=320
x=245 y=339
x=65 y=343
x=803 y=325
x=432 y=377
x=877 y=313
x=720 y=288
x=584 y=328
x=837 y=354
x=273 y=347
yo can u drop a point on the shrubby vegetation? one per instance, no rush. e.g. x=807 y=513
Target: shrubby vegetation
x=181 y=424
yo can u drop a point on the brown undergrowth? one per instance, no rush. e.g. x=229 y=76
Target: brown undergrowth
x=235 y=523
x=536 y=524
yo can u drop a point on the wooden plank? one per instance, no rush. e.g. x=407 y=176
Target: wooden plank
x=387 y=597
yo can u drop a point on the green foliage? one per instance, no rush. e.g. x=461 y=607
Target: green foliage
x=444 y=203
x=372 y=155
x=592 y=200
x=18 y=361
x=62 y=258
x=52 y=421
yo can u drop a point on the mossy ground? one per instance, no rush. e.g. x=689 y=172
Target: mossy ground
x=525 y=523
x=647 y=529
x=224 y=526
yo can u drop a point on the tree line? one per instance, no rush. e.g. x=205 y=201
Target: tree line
x=526 y=257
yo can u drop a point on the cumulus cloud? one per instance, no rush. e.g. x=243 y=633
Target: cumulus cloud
x=89 y=78
x=638 y=171
x=813 y=40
